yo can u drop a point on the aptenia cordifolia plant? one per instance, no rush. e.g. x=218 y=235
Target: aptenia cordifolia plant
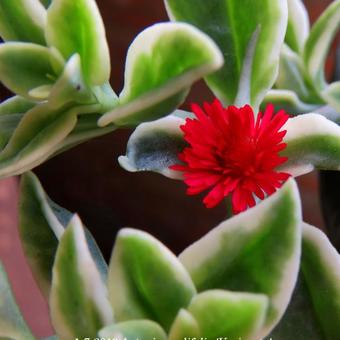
x=260 y=274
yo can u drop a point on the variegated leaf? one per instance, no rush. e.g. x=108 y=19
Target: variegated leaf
x=331 y=95
x=12 y=324
x=22 y=20
x=249 y=34
x=77 y=27
x=146 y=281
x=240 y=252
x=78 y=300
x=162 y=63
x=184 y=326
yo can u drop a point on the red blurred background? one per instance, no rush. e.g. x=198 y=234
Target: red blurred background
x=89 y=181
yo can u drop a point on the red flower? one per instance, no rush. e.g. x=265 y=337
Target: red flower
x=233 y=154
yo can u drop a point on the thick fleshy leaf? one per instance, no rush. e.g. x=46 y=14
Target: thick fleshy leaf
x=289 y=101
x=291 y=77
x=162 y=63
x=249 y=33
x=146 y=281
x=184 y=326
x=312 y=142
x=26 y=66
x=314 y=311
x=37 y=135
x=77 y=27
x=154 y=146
x=132 y=330
x=22 y=20
x=240 y=252
x=41 y=225
x=231 y=315
x=78 y=300
x=15 y=105
x=12 y=324
x=331 y=95
x=298 y=25
x=319 y=42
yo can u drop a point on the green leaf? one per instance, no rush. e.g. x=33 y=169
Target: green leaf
x=22 y=20
x=78 y=300
x=154 y=146
x=298 y=25
x=41 y=225
x=162 y=63
x=15 y=105
x=331 y=95
x=231 y=315
x=289 y=101
x=320 y=265
x=132 y=330
x=146 y=281
x=184 y=326
x=37 y=136
x=24 y=67
x=312 y=142
x=249 y=34
x=70 y=87
x=319 y=42
x=46 y=3
x=77 y=27
x=12 y=324
x=239 y=253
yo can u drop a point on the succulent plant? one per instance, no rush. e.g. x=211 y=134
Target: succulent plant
x=237 y=281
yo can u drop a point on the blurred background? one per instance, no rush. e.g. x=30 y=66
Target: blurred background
x=89 y=181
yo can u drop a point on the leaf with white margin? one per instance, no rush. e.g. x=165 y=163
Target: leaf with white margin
x=249 y=34
x=78 y=301
x=288 y=101
x=291 y=77
x=319 y=42
x=132 y=330
x=15 y=105
x=314 y=311
x=22 y=20
x=39 y=132
x=77 y=27
x=244 y=254
x=26 y=66
x=184 y=326
x=70 y=87
x=41 y=225
x=298 y=25
x=154 y=146
x=231 y=315
x=146 y=280
x=331 y=95
x=12 y=324
x=162 y=63
x=312 y=142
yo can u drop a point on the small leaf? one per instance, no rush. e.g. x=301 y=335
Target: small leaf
x=231 y=315
x=78 y=300
x=15 y=105
x=331 y=95
x=22 y=20
x=162 y=63
x=184 y=326
x=288 y=101
x=312 y=142
x=77 y=27
x=37 y=136
x=132 y=330
x=146 y=280
x=25 y=66
x=298 y=25
x=249 y=34
x=319 y=42
x=154 y=146
x=240 y=252
x=41 y=225
x=12 y=324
